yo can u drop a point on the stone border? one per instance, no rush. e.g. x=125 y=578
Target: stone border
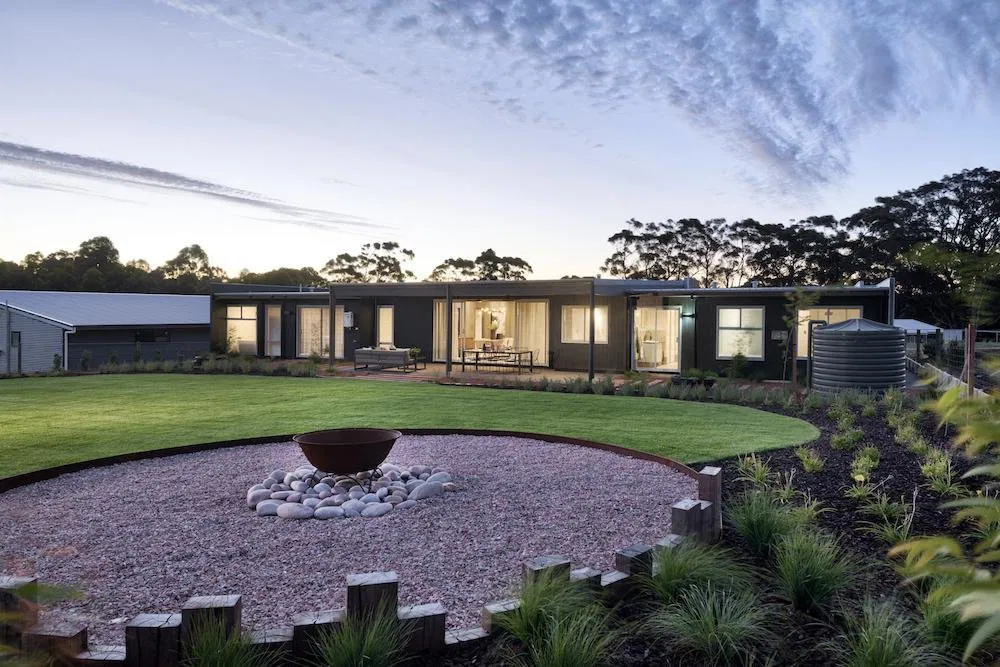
x=15 y=481
x=158 y=639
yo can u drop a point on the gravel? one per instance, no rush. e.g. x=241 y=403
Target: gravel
x=144 y=536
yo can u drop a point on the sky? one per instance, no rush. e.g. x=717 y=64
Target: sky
x=285 y=132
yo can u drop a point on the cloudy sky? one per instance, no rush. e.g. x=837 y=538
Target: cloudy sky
x=283 y=132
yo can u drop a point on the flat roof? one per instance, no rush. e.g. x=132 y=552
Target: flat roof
x=102 y=309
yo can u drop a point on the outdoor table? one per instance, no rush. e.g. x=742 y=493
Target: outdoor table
x=499 y=359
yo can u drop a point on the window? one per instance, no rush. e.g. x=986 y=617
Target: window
x=741 y=330
x=152 y=336
x=314 y=331
x=272 y=331
x=576 y=324
x=241 y=329
x=823 y=314
x=386 y=336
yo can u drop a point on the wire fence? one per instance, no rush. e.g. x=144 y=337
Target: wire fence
x=950 y=355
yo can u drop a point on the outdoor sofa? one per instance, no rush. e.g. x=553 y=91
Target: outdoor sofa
x=399 y=358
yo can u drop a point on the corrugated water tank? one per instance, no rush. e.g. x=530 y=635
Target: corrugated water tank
x=858 y=354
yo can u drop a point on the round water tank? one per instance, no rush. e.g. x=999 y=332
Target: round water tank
x=858 y=354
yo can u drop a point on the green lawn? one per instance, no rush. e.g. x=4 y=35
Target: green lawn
x=51 y=421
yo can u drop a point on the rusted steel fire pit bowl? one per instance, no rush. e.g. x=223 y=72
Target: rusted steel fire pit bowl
x=345 y=451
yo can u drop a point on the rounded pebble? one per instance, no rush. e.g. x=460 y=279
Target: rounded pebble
x=294 y=511
x=376 y=509
x=324 y=513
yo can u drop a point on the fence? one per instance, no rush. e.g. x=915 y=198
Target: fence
x=954 y=355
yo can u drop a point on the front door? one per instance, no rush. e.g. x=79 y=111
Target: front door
x=657 y=341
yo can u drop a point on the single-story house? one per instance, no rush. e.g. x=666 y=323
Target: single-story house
x=587 y=325
x=36 y=326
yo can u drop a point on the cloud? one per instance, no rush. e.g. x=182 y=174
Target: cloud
x=793 y=83
x=123 y=173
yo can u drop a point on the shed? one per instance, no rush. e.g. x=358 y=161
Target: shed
x=38 y=325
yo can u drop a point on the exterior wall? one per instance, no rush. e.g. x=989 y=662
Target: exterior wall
x=413 y=323
x=185 y=343
x=612 y=356
x=40 y=342
x=702 y=354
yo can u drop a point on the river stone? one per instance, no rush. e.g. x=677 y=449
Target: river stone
x=257 y=487
x=339 y=490
x=370 y=498
x=395 y=499
x=294 y=511
x=406 y=504
x=404 y=476
x=321 y=487
x=354 y=505
x=439 y=477
x=257 y=496
x=268 y=507
x=289 y=478
x=355 y=488
x=377 y=509
x=352 y=514
x=382 y=493
x=417 y=471
x=281 y=495
x=354 y=495
x=283 y=487
x=425 y=476
x=340 y=498
x=294 y=497
x=323 y=495
x=412 y=484
x=324 y=513
x=311 y=502
x=278 y=475
x=450 y=486
x=329 y=481
x=299 y=486
x=427 y=490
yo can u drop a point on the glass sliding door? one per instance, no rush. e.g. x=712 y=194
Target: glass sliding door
x=314 y=331
x=386 y=332
x=657 y=339
x=499 y=325
x=272 y=332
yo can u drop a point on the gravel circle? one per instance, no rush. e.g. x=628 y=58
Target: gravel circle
x=146 y=535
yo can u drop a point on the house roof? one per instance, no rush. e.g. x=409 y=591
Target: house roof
x=914 y=326
x=101 y=309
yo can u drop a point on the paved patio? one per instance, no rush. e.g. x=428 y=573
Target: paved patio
x=434 y=371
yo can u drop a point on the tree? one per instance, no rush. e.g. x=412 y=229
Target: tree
x=376 y=263
x=191 y=261
x=306 y=276
x=487 y=266
x=647 y=251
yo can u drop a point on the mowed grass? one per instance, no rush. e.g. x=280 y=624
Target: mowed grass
x=51 y=421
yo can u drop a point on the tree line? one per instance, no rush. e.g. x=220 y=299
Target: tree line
x=940 y=240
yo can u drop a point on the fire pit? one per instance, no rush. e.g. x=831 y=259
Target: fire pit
x=347 y=451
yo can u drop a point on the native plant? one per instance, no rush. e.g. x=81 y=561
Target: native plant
x=210 y=645
x=882 y=635
x=372 y=639
x=754 y=471
x=692 y=563
x=761 y=520
x=712 y=626
x=811 y=568
x=811 y=460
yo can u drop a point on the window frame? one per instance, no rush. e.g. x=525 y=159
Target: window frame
x=763 y=329
x=586 y=340
x=798 y=321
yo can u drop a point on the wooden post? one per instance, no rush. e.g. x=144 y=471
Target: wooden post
x=308 y=627
x=496 y=610
x=201 y=609
x=636 y=559
x=101 y=656
x=18 y=607
x=372 y=592
x=593 y=330
x=333 y=326
x=710 y=489
x=587 y=576
x=685 y=518
x=423 y=625
x=63 y=641
x=557 y=566
x=970 y=359
x=153 y=640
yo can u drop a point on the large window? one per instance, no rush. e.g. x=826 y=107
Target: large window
x=241 y=330
x=479 y=325
x=386 y=330
x=272 y=331
x=576 y=324
x=741 y=331
x=821 y=314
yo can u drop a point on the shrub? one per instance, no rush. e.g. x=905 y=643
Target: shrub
x=375 y=639
x=943 y=622
x=691 y=563
x=919 y=447
x=302 y=370
x=811 y=568
x=808 y=512
x=632 y=389
x=711 y=626
x=86 y=358
x=604 y=385
x=812 y=403
x=869 y=409
x=893 y=399
x=882 y=636
x=846 y=421
x=209 y=645
x=578 y=385
x=937 y=469
x=864 y=464
x=56 y=363
x=811 y=460
x=737 y=367
x=658 y=390
x=113 y=357
x=761 y=520
x=556 y=385
x=882 y=508
x=847 y=439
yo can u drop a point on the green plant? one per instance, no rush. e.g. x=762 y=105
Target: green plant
x=860 y=490
x=864 y=464
x=846 y=421
x=811 y=460
x=543 y=599
x=783 y=490
x=943 y=622
x=811 y=568
x=581 y=639
x=737 y=367
x=604 y=385
x=893 y=399
x=86 y=358
x=709 y=626
x=754 y=470
x=812 y=402
x=808 y=512
x=691 y=563
x=869 y=409
x=210 y=645
x=374 y=639
x=761 y=520
x=56 y=363
x=847 y=439
x=937 y=469
x=882 y=635
x=918 y=446
x=881 y=507
x=579 y=385
x=113 y=357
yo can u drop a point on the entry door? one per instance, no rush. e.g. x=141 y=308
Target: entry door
x=272 y=335
x=386 y=334
x=657 y=339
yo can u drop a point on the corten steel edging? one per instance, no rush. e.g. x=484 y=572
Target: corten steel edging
x=8 y=483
